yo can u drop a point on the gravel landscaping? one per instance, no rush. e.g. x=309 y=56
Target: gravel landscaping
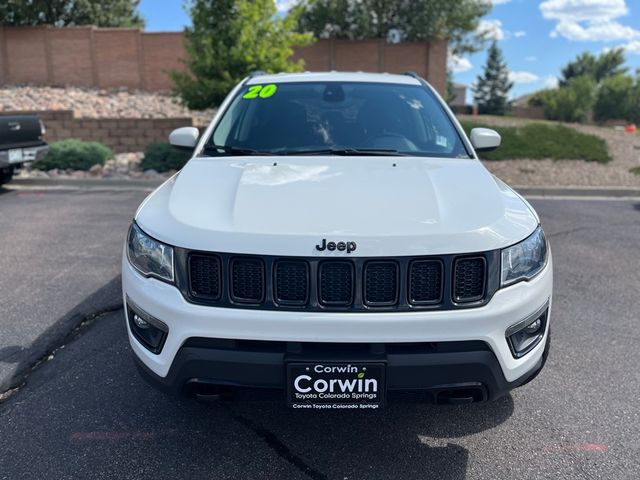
x=96 y=103
x=624 y=149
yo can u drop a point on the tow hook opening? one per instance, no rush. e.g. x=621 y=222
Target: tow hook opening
x=207 y=392
x=461 y=396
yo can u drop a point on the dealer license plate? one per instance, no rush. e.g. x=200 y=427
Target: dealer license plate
x=332 y=385
x=15 y=155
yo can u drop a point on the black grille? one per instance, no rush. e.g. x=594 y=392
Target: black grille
x=347 y=283
x=205 y=276
x=425 y=282
x=381 y=283
x=336 y=283
x=291 y=282
x=247 y=280
x=469 y=281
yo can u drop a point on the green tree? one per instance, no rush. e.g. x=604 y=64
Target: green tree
x=571 y=103
x=608 y=64
x=491 y=92
x=416 y=20
x=228 y=40
x=450 y=92
x=103 y=13
x=615 y=99
x=634 y=106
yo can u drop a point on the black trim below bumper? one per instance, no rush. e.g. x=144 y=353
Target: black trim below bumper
x=437 y=369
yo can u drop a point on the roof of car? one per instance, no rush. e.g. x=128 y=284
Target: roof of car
x=333 y=77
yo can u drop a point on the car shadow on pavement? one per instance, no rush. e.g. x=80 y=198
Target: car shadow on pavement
x=404 y=440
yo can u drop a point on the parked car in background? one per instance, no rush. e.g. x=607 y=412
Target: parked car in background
x=21 y=141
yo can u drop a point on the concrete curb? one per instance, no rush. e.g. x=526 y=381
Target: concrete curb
x=579 y=192
x=102 y=184
x=116 y=183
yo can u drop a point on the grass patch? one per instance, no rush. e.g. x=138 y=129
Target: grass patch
x=538 y=141
x=635 y=170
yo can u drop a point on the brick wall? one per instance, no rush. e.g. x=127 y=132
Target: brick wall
x=126 y=57
x=119 y=134
x=89 y=56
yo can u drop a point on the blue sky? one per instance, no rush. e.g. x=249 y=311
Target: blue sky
x=538 y=37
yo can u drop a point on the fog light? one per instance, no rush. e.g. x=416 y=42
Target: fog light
x=148 y=330
x=534 y=327
x=525 y=335
x=140 y=323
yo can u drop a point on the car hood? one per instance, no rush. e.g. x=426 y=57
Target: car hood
x=287 y=205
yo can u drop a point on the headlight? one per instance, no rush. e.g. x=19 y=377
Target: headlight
x=525 y=259
x=150 y=257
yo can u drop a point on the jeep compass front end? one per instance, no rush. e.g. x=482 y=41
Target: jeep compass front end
x=336 y=239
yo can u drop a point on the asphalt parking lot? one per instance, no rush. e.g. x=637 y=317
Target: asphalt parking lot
x=83 y=412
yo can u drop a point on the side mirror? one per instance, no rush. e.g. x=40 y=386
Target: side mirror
x=485 y=139
x=184 y=138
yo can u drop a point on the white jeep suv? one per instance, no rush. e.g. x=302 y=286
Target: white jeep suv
x=335 y=238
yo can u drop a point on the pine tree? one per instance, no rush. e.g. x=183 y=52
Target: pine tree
x=608 y=64
x=492 y=89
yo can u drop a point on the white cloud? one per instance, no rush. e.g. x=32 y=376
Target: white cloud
x=499 y=2
x=519 y=33
x=550 y=81
x=583 y=10
x=523 y=77
x=284 y=6
x=531 y=58
x=459 y=64
x=631 y=47
x=491 y=29
x=588 y=20
x=594 y=32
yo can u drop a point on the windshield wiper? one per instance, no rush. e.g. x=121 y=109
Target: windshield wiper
x=231 y=150
x=345 y=152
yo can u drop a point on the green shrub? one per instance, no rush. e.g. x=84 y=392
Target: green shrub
x=162 y=157
x=615 y=99
x=571 y=103
x=74 y=154
x=538 y=141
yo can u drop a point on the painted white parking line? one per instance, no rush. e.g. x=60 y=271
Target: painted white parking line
x=581 y=198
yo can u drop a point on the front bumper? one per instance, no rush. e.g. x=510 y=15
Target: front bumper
x=29 y=154
x=488 y=363
x=449 y=372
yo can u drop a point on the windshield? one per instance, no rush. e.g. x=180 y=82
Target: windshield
x=335 y=118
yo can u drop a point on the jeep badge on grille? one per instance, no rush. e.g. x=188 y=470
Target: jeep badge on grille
x=340 y=246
